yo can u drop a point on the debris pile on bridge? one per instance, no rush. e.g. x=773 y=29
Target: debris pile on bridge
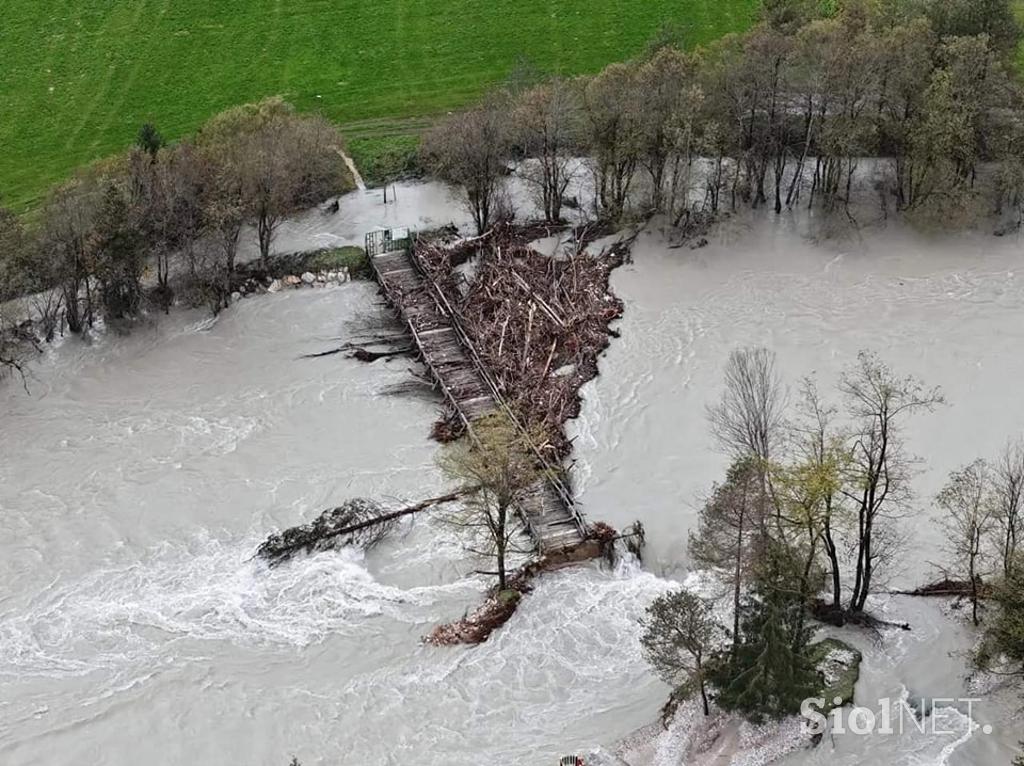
x=537 y=322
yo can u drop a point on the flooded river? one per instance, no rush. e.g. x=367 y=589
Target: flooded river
x=140 y=473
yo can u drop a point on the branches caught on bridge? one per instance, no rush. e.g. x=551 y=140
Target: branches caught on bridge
x=537 y=322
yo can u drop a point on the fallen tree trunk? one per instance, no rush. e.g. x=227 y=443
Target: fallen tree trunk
x=947 y=587
x=358 y=521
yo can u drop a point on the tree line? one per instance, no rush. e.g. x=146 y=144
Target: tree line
x=781 y=116
x=810 y=521
x=131 y=229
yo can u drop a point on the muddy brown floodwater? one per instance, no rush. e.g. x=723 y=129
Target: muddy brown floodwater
x=141 y=472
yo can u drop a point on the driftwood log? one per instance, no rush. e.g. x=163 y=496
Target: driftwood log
x=357 y=522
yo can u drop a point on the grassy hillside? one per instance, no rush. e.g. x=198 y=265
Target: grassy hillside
x=77 y=79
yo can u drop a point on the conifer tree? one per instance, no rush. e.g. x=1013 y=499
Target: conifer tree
x=770 y=673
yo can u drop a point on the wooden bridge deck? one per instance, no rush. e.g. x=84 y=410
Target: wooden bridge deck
x=549 y=511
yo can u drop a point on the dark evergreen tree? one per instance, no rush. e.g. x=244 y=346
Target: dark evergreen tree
x=1004 y=634
x=149 y=139
x=770 y=672
x=679 y=630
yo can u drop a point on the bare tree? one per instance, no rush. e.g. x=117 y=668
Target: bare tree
x=279 y=161
x=546 y=122
x=269 y=184
x=679 y=634
x=224 y=206
x=966 y=500
x=115 y=249
x=495 y=471
x=748 y=420
x=68 y=217
x=14 y=247
x=26 y=273
x=813 y=487
x=879 y=470
x=1008 y=492
x=471 y=150
x=175 y=210
x=613 y=130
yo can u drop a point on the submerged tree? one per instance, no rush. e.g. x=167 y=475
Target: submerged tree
x=613 y=128
x=966 y=501
x=14 y=255
x=546 y=124
x=812 y=488
x=279 y=162
x=679 y=636
x=174 y=211
x=1008 y=503
x=116 y=252
x=494 y=470
x=471 y=150
x=878 y=470
x=67 y=221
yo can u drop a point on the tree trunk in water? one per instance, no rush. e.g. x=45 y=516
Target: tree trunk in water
x=833 y=560
x=500 y=541
x=974 y=582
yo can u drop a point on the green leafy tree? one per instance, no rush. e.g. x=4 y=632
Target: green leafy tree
x=679 y=635
x=495 y=471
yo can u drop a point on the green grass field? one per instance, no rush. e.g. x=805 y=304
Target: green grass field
x=77 y=79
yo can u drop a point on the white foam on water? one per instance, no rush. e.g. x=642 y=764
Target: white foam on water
x=207 y=590
x=566 y=672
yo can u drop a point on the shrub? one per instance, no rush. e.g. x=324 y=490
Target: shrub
x=353 y=258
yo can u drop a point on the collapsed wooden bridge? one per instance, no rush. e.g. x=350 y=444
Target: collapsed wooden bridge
x=549 y=510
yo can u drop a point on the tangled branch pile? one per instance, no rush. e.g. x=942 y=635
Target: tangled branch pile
x=538 y=323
